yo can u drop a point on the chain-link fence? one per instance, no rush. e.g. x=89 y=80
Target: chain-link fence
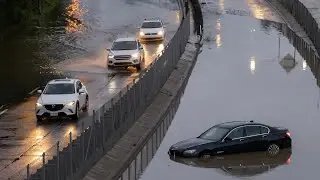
x=305 y=19
x=74 y=156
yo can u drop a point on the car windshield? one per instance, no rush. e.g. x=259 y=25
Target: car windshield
x=151 y=25
x=61 y=88
x=215 y=133
x=124 y=45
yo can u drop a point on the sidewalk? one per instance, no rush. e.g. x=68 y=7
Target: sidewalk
x=314 y=8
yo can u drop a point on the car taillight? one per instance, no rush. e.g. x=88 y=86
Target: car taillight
x=288 y=161
x=288 y=134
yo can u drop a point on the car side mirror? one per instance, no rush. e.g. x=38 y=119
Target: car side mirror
x=108 y=49
x=81 y=91
x=39 y=91
x=227 y=139
x=140 y=47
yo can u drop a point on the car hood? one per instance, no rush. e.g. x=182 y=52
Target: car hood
x=151 y=30
x=124 y=52
x=190 y=143
x=57 y=99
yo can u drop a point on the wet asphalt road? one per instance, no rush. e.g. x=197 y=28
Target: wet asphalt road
x=239 y=76
x=22 y=140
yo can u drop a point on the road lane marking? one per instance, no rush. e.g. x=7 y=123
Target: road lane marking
x=4 y=111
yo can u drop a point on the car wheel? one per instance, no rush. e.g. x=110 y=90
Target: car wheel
x=39 y=118
x=205 y=155
x=273 y=149
x=139 y=66
x=86 y=106
x=76 y=115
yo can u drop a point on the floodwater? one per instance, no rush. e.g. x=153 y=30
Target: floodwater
x=242 y=74
x=72 y=43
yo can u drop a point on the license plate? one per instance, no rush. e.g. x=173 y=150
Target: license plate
x=54 y=114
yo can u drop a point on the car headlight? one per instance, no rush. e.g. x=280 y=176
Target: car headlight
x=160 y=33
x=70 y=103
x=38 y=105
x=110 y=55
x=135 y=55
x=141 y=33
x=191 y=151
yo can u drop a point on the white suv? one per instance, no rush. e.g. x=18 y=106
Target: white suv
x=62 y=98
x=126 y=52
x=152 y=30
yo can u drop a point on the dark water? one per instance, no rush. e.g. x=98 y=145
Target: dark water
x=32 y=39
x=26 y=51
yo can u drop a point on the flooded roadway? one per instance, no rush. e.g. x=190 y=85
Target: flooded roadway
x=241 y=74
x=76 y=49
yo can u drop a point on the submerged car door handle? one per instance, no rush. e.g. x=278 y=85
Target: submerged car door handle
x=264 y=136
x=241 y=139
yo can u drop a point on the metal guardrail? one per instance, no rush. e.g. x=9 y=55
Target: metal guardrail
x=72 y=157
x=139 y=161
x=305 y=19
x=306 y=50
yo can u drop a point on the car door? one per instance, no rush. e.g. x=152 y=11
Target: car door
x=81 y=96
x=141 y=50
x=254 y=141
x=234 y=141
x=264 y=137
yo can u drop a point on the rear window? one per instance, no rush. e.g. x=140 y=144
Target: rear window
x=253 y=130
x=151 y=25
x=264 y=130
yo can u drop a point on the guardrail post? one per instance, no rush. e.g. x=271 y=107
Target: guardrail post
x=135 y=168
x=103 y=129
x=28 y=172
x=129 y=172
x=58 y=161
x=43 y=166
x=147 y=149
x=82 y=141
x=141 y=161
x=134 y=100
x=152 y=145
x=71 y=164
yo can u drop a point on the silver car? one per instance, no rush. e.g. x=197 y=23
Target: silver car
x=126 y=52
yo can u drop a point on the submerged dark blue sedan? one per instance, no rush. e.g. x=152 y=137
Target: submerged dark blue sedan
x=234 y=137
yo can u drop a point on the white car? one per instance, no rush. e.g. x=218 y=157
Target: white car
x=126 y=52
x=152 y=30
x=62 y=98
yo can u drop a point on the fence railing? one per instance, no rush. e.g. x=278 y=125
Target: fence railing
x=306 y=50
x=305 y=19
x=75 y=155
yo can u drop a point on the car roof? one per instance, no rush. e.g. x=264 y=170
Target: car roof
x=234 y=124
x=126 y=39
x=63 y=81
